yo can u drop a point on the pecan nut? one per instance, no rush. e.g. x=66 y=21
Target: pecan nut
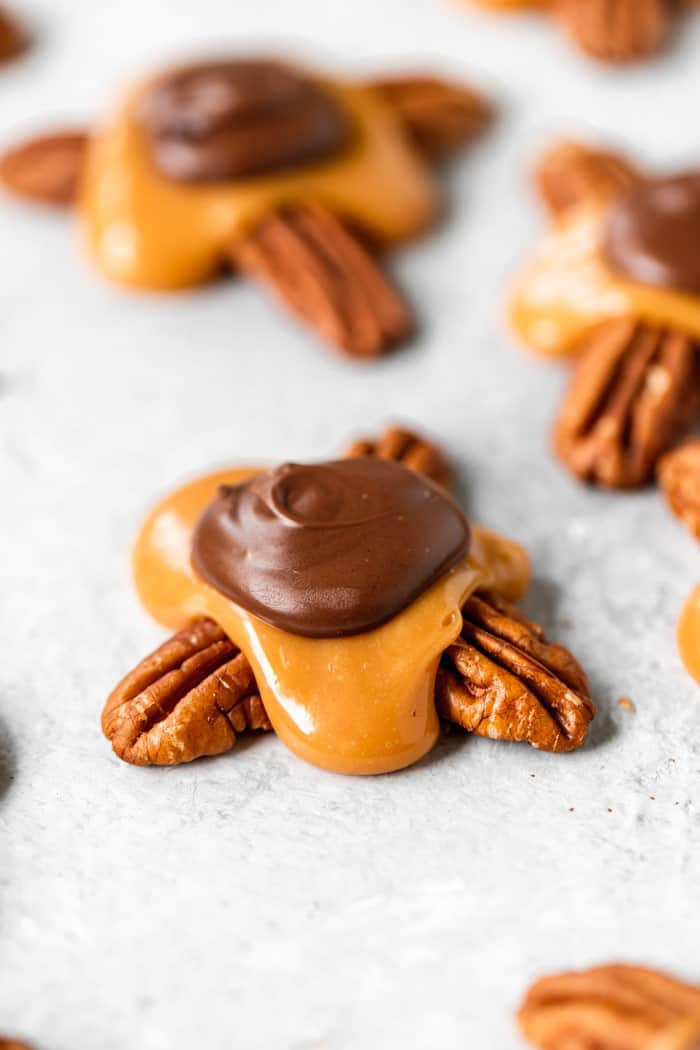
x=616 y=30
x=569 y=173
x=192 y=697
x=679 y=477
x=502 y=679
x=634 y=392
x=46 y=169
x=13 y=39
x=441 y=117
x=611 y=1008
x=197 y=692
x=13 y=1044
x=325 y=276
x=405 y=447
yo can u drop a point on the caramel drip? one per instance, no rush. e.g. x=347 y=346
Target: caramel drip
x=567 y=288
x=357 y=704
x=145 y=230
x=689 y=634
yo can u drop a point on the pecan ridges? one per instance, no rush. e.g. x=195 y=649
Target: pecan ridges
x=189 y=698
x=46 y=169
x=612 y=1007
x=325 y=276
x=616 y=30
x=635 y=390
x=502 y=679
x=441 y=117
x=568 y=173
x=679 y=478
x=407 y=447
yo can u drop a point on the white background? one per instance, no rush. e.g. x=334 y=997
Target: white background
x=253 y=901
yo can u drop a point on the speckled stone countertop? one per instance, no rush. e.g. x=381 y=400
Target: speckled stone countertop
x=254 y=901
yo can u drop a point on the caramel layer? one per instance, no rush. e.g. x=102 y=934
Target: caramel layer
x=505 y=5
x=689 y=634
x=358 y=704
x=145 y=230
x=566 y=289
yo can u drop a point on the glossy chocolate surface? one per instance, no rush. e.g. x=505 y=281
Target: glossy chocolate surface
x=329 y=549
x=653 y=233
x=228 y=120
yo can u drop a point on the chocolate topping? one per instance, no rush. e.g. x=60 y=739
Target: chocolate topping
x=228 y=120
x=654 y=232
x=331 y=548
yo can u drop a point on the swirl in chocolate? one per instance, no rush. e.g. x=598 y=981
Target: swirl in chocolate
x=229 y=120
x=329 y=549
x=654 y=231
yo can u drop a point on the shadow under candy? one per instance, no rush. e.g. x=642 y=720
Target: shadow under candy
x=7 y=760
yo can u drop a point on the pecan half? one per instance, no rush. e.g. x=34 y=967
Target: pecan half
x=13 y=1044
x=502 y=679
x=612 y=1008
x=46 y=169
x=634 y=392
x=441 y=117
x=322 y=273
x=13 y=39
x=616 y=30
x=191 y=697
x=568 y=173
x=408 y=448
x=679 y=477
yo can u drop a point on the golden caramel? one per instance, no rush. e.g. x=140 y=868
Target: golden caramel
x=512 y=5
x=567 y=288
x=357 y=704
x=145 y=230
x=689 y=634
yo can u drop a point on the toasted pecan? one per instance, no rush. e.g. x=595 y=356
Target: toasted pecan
x=634 y=392
x=13 y=39
x=322 y=273
x=679 y=477
x=407 y=447
x=46 y=169
x=612 y=1007
x=569 y=172
x=440 y=116
x=502 y=679
x=192 y=697
x=616 y=30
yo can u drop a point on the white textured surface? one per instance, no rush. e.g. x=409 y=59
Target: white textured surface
x=253 y=901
